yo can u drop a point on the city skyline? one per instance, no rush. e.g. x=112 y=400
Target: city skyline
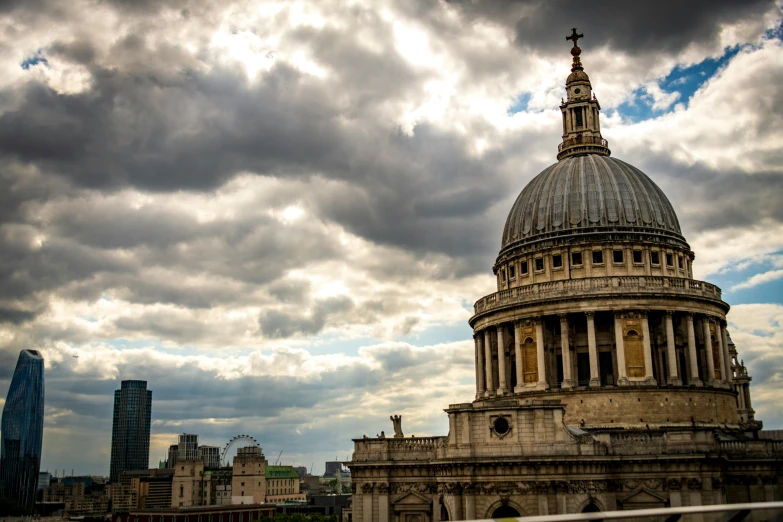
x=280 y=215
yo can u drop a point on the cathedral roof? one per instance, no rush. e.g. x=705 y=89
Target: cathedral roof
x=587 y=194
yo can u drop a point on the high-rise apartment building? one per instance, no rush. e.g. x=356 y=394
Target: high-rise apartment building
x=22 y=430
x=130 y=437
x=210 y=455
x=187 y=449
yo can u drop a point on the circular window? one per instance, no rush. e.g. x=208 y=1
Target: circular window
x=577 y=90
x=501 y=426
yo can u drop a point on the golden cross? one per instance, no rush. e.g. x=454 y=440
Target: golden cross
x=574 y=37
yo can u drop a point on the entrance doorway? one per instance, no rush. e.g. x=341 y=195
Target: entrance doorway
x=505 y=512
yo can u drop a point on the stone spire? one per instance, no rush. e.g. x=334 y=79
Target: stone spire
x=581 y=124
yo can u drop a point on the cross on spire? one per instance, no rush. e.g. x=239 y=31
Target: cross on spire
x=574 y=37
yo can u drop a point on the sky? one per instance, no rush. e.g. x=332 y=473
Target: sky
x=279 y=214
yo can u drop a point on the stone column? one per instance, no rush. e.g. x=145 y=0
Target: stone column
x=648 y=362
x=708 y=349
x=367 y=497
x=502 y=387
x=622 y=369
x=542 y=384
x=488 y=364
x=481 y=383
x=692 y=351
x=728 y=376
x=671 y=351
x=520 y=369
x=470 y=504
x=740 y=398
x=566 y=349
x=721 y=357
x=595 y=379
x=383 y=502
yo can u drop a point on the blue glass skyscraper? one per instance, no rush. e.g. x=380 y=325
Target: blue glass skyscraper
x=130 y=434
x=22 y=430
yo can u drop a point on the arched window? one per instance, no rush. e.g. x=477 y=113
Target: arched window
x=530 y=360
x=634 y=353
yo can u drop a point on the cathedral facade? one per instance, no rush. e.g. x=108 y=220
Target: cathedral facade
x=605 y=376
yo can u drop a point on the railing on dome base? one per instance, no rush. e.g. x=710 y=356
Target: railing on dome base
x=599 y=286
x=583 y=145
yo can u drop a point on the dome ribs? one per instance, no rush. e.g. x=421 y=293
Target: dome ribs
x=594 y=199
x=581 y=194
x=610 y=192
x=576 y=209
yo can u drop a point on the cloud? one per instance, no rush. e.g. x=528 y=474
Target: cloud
x=251 y=205
x=759 y=279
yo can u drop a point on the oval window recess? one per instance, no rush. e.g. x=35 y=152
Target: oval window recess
x=577 y=90
x=501 y=426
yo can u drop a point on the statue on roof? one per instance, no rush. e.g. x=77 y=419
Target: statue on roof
x=397 y=423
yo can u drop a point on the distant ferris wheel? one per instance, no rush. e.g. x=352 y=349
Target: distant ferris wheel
x=240 y=441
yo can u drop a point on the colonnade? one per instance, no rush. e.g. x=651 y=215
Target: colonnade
x=525 y=351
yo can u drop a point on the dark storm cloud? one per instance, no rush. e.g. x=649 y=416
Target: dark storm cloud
x=277 y=324
x=633 y=27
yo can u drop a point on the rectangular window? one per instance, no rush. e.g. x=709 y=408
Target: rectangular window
x=523 y=267
x=576 y=258
x=557 y=261
x=655 y=257
x=579 y=122
x=503 y=274
x=539 y=263
x=512 y=273
x=598 y=257
x=679 y=260
x=617 y=256
x=637 y=256
x=669 y=260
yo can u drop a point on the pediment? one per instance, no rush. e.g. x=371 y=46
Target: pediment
x=644 y=497
x=412 y=498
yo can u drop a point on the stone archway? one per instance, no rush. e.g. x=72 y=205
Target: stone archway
x=591 y=507
x=505 y=511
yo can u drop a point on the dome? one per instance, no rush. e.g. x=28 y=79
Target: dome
x=577 y=76
x=587 y=194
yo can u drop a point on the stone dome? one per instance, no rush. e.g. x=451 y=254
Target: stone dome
x=577 y=76
x=588 y=194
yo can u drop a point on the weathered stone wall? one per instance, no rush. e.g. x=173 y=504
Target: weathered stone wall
x=653 y=406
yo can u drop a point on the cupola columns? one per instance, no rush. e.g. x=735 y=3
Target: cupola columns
x=581 y=125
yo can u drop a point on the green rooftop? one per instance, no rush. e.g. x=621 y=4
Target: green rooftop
x=281 y=472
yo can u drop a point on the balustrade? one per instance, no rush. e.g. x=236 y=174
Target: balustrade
x=593 y=286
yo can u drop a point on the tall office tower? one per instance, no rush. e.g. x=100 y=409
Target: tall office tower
x=130 y=434
x=22 y=430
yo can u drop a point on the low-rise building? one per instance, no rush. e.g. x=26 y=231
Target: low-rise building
x=282 y=484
